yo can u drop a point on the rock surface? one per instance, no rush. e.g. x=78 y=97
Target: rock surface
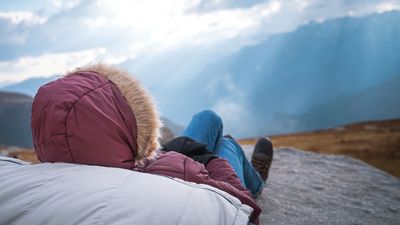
x=309 y=188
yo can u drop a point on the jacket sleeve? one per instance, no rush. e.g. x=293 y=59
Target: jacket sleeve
x=197 y=173
x=220 y=169
x=190 y=148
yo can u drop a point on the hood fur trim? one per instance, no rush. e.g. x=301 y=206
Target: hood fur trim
x=147 y=119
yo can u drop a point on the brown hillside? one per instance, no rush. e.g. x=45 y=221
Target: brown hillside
x=376 y=142
x=23 y=154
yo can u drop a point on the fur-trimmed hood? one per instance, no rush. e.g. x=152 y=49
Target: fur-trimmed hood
x=97 y=115
x=142 y=105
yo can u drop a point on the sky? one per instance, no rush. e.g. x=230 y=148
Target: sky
x=46 y=38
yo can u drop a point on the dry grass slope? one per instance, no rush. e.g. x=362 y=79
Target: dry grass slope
x=376 y=142
x=23 y=154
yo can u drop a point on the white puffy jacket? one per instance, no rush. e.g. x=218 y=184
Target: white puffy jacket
x=60 y=193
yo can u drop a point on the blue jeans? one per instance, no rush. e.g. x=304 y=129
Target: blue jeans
x=206 y=127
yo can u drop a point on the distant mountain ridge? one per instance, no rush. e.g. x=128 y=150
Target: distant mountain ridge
x=378 y=102
x=320 y=61
x=7 y=97
x=291 y=73
x=285 y=77
x=29 y=86
x=15 y=117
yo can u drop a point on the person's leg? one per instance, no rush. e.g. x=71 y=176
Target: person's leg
x=205 y=127
x=227 y=149
x=230 y=150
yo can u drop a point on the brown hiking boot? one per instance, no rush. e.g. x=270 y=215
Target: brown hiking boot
x=262 y=157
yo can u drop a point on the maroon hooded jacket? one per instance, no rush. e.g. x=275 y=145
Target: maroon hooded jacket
x=100 y=115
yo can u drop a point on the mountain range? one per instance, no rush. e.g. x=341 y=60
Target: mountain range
x=320 y=75
x=319 y=61
x=29 y=86
x=375 y=103
x=298 y=72
x=15 y=117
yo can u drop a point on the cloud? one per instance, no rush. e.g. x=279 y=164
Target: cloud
x=133 y=30
x=169 y=26
x=56 y=3
x=121 y=23
x=206 y=6
x=48 y=65
x=66 y=4
x=16 y=26
x=236 y=117
x=24 y=17
x=229 y=101
x=223 y=84
x=128 y=29
x=387 y=6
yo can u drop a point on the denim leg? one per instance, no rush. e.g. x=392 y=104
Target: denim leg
x=205 y=127
x=227 y=149
x=231 y=151
x=253 y=179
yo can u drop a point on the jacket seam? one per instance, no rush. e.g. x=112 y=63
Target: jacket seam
x=238 y=206
x=69 y=112
x=185 y=207
x=109 y=199
x=40 y=116
x=30 y=206
x=189 y=196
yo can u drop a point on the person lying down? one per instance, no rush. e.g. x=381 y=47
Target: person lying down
x=100 y=115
